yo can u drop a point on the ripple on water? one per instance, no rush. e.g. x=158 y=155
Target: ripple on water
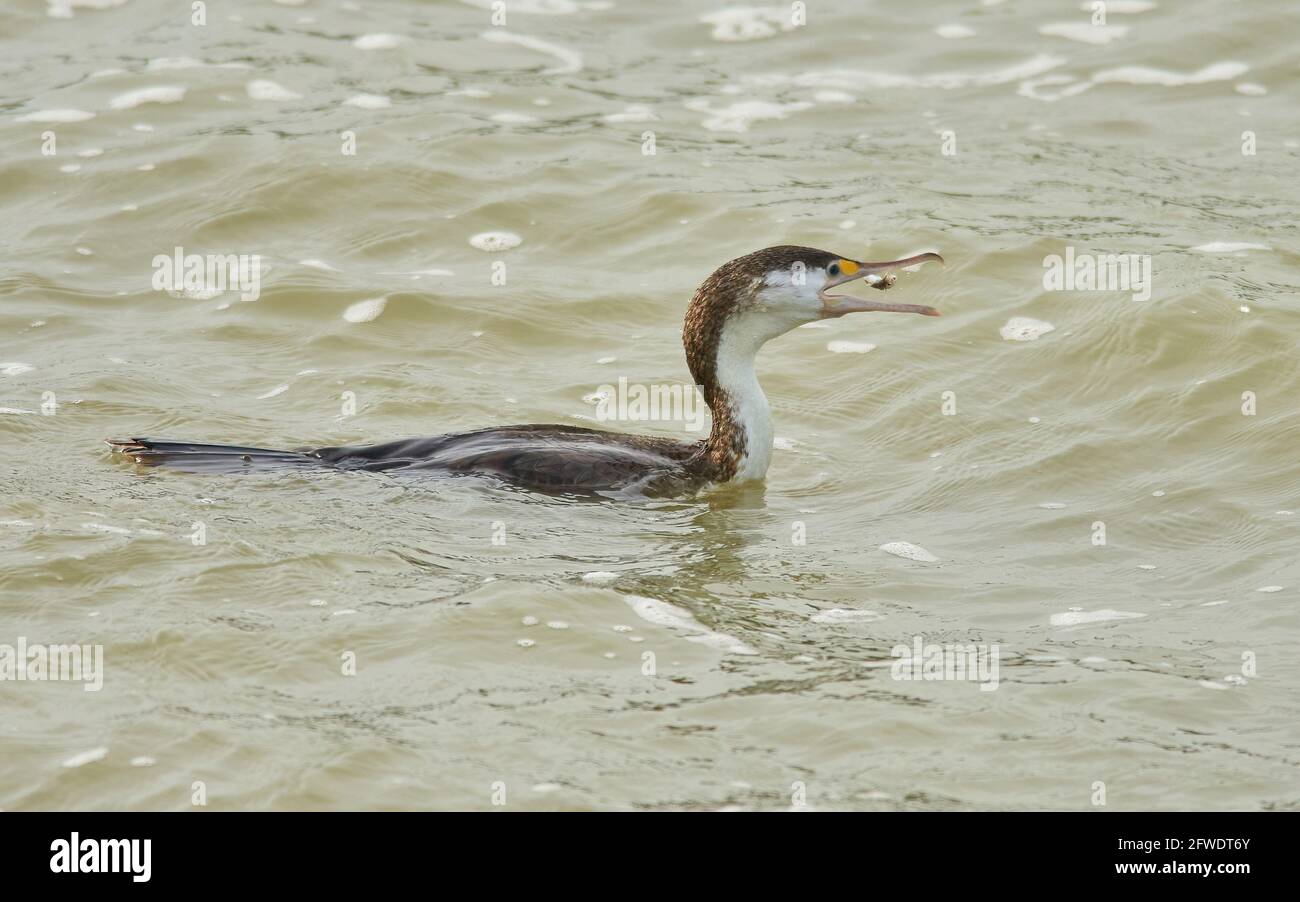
x=1076 y=617
x=667 y=615
x=63 y=115
x=842 y=615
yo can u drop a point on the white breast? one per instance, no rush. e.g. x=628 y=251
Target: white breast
x=741 y=338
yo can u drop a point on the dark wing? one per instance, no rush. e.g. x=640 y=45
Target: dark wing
x=548 y=457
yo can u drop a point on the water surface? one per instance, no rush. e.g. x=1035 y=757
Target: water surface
x=1159 y=664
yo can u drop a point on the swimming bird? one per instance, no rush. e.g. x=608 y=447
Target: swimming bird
x=744 y=304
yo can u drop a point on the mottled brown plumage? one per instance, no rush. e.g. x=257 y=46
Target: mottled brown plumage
x=731 y=289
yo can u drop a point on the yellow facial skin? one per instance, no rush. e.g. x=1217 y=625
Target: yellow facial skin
x=848 y=267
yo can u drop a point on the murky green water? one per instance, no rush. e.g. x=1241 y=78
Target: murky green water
x=1160 y=663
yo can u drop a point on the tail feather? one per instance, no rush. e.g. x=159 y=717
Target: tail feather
x=208 y=458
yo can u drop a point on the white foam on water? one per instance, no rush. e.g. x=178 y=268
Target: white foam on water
x=143 y=761
x=1228 y=247
x=15 y=368
x=1143 y=75
x=841 y=615
x=378 y=41
x=541 y=7
x=599 y=577
x=1251 y=89
x=1052 y=505
x=850 y=347
x=514 y=118
x=91 y=152
x=62 y=115
x=265 y=89
x=365 y=311
x=1069 y=87
x=369 y=101
x=1211 y=684
x=834 y=97
x=1074 y=618
x=570 y=60
x=1121 y=7
x=738 y=117
x=278 y=390
x=1270 y=589
x=492 y=242
x=319 y=264
x=1084 y=32
x=861 y=79
x=909 y=551
x=156 y=94
x=89 y=757
x=64 y=9
x=1024 y=328
x=70 y=167
x=420 y=272
x=748 y=23
x=954 y=32
x=1137 y=75
x=634 y=113
x=661 y=613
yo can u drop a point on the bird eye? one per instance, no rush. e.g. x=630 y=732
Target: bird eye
x=833 y=269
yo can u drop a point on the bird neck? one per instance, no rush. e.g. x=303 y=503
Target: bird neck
x=739 y=446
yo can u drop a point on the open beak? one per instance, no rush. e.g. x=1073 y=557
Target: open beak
x=877 y=275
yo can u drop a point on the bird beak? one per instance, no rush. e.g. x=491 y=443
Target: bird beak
x=834 y=305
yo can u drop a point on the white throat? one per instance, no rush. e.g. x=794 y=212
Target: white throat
x=738 y=346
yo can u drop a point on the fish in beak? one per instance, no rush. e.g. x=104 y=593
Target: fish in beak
x=877 y=275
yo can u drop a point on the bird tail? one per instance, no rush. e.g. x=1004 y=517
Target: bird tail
x=197 y=457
